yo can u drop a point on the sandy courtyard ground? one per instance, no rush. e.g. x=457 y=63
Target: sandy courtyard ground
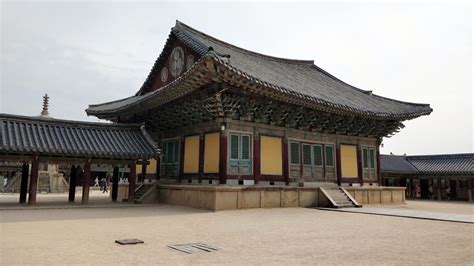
x=256 y=236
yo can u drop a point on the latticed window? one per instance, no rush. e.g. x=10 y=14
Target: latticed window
x=307 y=154
x=294 y=153
x=329 y=155
x=318 y=155
x=234 y=147
x=245 y=147
x=365 y=157
x=240 y=147
x=171 y=151
x=240 y=154
x=368 y=157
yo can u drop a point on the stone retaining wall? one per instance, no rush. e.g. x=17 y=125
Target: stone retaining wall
x=377 y=195
x=216 y=198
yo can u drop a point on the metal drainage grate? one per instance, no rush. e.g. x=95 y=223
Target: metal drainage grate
x=193 y=247
x=129 y=241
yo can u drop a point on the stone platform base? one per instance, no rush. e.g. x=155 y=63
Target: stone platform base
x=216 y=198
x=224 y=197
x=377 y=195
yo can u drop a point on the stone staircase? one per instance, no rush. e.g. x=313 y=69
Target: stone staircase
x=340 y=199
x=141 y=190
x=43 y=182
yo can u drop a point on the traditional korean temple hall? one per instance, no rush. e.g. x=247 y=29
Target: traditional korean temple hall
x=245 y=129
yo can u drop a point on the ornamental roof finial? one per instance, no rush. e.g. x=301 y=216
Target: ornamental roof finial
x=45 y=112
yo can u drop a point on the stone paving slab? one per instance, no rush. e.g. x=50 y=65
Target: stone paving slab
x=437 y=216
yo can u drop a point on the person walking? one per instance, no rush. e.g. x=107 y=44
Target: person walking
x=104 y=185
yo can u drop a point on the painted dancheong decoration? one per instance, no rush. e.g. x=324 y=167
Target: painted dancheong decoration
x=224 y=114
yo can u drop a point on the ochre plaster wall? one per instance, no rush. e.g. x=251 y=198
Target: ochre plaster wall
x=191 y=155
x=349 y=161
x=211 y=153
x=270 y=156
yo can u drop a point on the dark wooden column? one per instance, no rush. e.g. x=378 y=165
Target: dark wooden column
x=131 y=181
x=33 y=180
x=115 y=181
x=286 y=172
x=470 y=184
x=223 y=158
x=158 y=167
x=379 y=174
x=202 y=139
x=86 y=182
x=72 y=184
x=360 y=167
x=438 y=185
x=338 y=162
x=144 y=168
x=24 y=182
x=181 y=160
x=256 y=158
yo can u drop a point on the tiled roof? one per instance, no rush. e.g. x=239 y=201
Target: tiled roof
x=396 y=164
x=54 y=137
x=444 y=164
x=299 y=78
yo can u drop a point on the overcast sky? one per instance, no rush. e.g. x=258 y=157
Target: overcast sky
x=84 y=53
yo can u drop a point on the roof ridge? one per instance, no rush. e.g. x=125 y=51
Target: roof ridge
x=37 y=119
x=184 y=26
x=446 y=155
x=115 y=101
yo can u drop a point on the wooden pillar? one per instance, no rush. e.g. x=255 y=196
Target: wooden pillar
x=115 y=181
x=438 y=183
x=158 y=167
x=131 y=181
x=33 y=180
x=86 y=182
x=470 y=189
x=24 y=182
x=201 y=157
x=181 y=159
x=256 y=158
x=286 y=172
x=338 y=162
x=72 y=184
x=223 y=158
x=360 y=169
x=379 y=174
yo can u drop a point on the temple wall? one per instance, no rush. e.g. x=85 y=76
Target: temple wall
x=191 y=155
x=349 y=161
x=207 y=144
x=211 y=153
x=271 y=155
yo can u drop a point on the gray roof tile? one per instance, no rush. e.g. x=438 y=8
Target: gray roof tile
x=46 y=136
x=444 y=164
x=301 y=78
